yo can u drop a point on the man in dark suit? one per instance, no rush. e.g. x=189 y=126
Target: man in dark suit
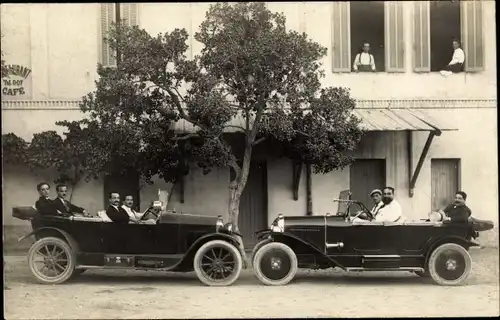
x=458 y=210
x=44 y=205
x=63 y=205
x=114 y=211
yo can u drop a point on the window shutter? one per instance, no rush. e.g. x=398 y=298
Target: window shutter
x=421 y=36
x=394 y=37
x=472 y=34
x=341 y=48
x=107 y=18
x=128 y=12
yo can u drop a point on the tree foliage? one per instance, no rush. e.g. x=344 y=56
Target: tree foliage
x=253 y=76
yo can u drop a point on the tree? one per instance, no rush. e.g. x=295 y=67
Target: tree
x=251 y=67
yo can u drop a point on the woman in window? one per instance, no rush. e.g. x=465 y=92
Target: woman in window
x=457 y=61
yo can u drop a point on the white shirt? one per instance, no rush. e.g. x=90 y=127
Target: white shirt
x=376 y=208
x=458 y=56
x=131 y=213
x=390 y=212
x=364 y=58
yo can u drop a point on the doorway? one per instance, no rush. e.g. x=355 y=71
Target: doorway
x=445 y=181
x=253 y=204
x=124 y=184
x=364 y=176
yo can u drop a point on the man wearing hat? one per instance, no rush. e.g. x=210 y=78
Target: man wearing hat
x=376 y=196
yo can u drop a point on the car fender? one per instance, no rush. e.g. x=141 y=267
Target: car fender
x=262 y=234
x=209 y=237
x=434 y=243
x=281 y=236
x=69 y=239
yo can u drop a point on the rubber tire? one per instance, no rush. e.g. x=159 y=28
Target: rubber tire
x=217 y=244
x=435 y=254
x=257 y=247
x=69 y=253
x=273 y=246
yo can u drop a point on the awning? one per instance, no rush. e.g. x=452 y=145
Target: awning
x=400 y=119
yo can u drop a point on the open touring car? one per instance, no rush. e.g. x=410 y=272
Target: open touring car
x=67 y=246
x=428 y=247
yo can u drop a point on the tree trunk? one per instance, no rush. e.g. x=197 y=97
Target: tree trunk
x=236 y=188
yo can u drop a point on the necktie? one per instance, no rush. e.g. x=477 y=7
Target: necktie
x=65 y=204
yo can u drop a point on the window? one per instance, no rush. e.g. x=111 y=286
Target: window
x=444 y=28
x=378 y=23
x=128 y=12
x=367 y=27
x=437 y=23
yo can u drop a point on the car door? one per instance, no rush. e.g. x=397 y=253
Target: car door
x=131 y=238
x=345 y=238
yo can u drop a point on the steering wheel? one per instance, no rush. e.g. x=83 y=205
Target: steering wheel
x=363 y=215
x=156 y=214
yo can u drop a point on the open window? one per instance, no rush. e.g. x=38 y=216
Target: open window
x=437 y=23
x=444 y=28
x=108 y=14
x=367 y=28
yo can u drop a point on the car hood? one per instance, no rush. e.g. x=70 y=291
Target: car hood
x=304 y=221
x=184 y=218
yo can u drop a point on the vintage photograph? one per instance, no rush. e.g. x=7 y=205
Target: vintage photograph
x=193 y=160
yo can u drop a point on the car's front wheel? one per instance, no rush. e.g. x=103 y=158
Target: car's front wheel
x=275 y=264
x=218 y=263
x=450 y=264
x=51 y=260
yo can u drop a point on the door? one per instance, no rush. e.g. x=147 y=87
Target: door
x=366 y=175
x=253 y=204
x=444 y=181
x=124 y=184
x=129 y=238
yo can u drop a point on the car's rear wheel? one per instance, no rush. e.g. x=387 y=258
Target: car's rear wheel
x=275 y=264
x=450 y=264
x=51 y=260
x=218 y=263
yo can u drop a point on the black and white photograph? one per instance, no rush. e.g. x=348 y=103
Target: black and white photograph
x=217 y=160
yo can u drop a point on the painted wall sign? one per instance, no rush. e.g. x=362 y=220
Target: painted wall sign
x=14 y=85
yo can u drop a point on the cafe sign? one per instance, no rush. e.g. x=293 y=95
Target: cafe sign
x=16 y=83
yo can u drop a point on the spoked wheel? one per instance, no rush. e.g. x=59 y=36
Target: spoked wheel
x=218 y=263
x=275 y=264
x=51 y=260
x=450 y=264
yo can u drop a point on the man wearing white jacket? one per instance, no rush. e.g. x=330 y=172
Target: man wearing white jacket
x=391 y=210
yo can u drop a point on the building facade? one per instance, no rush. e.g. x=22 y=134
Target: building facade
x=56 y=47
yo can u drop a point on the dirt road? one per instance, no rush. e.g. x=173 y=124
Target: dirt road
x=141 y=294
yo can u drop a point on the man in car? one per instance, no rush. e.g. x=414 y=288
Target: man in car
x=458 y=210
x=114 y=211
x=128 y=207
x=63 y=205
x=376 y=196
x=391 y=210
x=134 y=216
x=44 y=205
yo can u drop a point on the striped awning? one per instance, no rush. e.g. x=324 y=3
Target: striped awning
x=402 y=119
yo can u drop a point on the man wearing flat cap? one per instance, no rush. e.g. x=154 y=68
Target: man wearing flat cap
x=376 y=196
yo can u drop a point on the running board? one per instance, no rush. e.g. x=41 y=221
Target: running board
x=385 y=269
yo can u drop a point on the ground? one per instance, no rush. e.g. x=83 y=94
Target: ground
x=327 y=293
